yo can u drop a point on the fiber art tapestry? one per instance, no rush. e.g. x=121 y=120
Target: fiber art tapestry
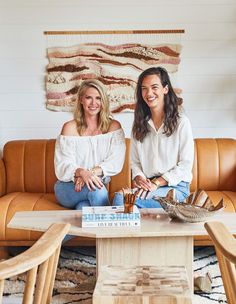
x=117 y=65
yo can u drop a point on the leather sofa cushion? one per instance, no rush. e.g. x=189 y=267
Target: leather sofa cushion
x=19 y=201
x=228 y=196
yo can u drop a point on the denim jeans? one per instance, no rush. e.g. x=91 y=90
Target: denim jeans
x=181 y=193
x=69 y=198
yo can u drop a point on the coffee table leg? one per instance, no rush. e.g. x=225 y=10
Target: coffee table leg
x=151 y=251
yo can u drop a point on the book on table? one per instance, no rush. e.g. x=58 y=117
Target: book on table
x=110 y=216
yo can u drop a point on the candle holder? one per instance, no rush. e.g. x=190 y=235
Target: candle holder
x=129 y=200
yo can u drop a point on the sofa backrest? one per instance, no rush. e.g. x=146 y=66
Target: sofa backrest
x=214 y=164
x=30 y=166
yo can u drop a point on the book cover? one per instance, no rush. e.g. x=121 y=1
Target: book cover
x=109 y=216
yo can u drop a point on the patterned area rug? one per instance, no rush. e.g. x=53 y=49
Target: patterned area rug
x=76 y=275
x=205 y=260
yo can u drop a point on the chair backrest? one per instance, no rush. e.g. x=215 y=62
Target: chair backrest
x=40 y=263
x=225 y=245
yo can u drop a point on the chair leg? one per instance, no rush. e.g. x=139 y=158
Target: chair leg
x=40 y=283
x=228 y=277
x=48 y=279
x=1 y=290
x=56 y=258
x=29 y=286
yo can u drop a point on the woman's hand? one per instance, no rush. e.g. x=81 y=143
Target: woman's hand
x=142 y=182
x=144 y=186
x=79 y=183
x=90 y=179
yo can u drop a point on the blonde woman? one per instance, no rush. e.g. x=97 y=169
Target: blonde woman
x=89 y=150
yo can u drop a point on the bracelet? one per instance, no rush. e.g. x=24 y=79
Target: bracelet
x=93 y=171
x=156 y=182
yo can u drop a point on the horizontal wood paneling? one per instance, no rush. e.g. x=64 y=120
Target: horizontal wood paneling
x=23 y=84
x=207 y=73
x=217 y=119
x=30 y=119
x=50 y=14
x=27 y=133
x=214 y=132
x=211 y=49
x=22 y=67
x=209 y=101
x=154 y=3
x=207 y=83
x=197 y=66
x=93 y=3
x=20 y=102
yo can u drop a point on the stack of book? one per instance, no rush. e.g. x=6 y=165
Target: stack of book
x=110 y=216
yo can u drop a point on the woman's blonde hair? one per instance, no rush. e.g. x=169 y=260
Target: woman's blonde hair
x=104 y=119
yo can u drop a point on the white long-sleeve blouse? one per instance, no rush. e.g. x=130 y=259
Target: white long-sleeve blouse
x=105 y=150
x=170 y=157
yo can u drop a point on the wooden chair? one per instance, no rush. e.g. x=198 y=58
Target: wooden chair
x=225 y=245
x=40 y=263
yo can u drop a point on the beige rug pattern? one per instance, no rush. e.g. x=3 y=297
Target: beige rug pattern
x=76 y=277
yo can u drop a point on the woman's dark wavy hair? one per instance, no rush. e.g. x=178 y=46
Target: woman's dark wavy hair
x=142 y=112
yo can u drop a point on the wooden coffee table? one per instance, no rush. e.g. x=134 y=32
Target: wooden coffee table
x=159 y=241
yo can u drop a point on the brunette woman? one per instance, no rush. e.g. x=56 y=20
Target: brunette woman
x=162 y=146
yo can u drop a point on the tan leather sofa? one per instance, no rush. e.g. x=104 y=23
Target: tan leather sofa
x=27 y=179
x=214 y=171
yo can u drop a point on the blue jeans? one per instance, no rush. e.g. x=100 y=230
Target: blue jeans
x=181 y=192
x=69 y=198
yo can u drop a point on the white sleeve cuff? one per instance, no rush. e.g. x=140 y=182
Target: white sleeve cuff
x=138 y=173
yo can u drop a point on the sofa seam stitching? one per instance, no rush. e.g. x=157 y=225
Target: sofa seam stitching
x=229 y=199
x=217 y=144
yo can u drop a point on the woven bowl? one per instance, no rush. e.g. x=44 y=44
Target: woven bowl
x=197 y=208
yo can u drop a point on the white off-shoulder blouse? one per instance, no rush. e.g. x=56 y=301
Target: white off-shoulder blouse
x=104 y=150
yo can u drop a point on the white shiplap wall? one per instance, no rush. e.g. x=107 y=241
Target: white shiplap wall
x=207 y=71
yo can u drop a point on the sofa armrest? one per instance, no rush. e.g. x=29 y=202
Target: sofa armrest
x=2 y=178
